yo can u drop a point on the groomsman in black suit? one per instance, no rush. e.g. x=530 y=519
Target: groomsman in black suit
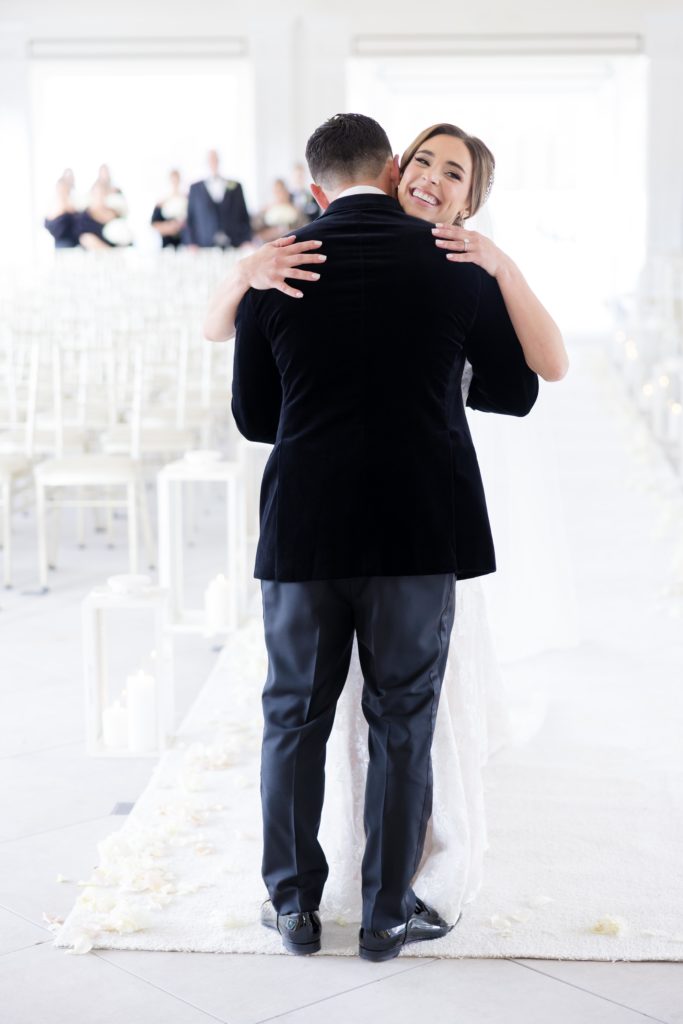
x=216 y=211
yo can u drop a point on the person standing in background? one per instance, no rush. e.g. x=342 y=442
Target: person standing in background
x=216 y=212
x=99 y=226
x=170 y=214
x=302 y=197
x=112 y=195
x=278 y=216
x=60 y=219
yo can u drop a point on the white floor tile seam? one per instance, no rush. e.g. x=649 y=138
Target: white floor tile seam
x=22 y=949
x=28 y=920
x=590 y=992
x=410 y=965
x=292 y=1014
x=347 y=991
x=159 y=988
x=41 y=750
x=56 y=828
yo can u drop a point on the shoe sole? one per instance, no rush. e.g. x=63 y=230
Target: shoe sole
x=379 y=955
x=302 y=948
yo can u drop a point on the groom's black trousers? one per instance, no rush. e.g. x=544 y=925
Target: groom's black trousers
x=403 y=625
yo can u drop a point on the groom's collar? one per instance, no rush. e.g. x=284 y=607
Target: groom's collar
x=356 y=200
x=360 y=190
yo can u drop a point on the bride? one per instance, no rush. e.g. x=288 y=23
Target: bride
x=472 y=719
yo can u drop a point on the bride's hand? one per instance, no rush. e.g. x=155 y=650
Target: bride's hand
x=270 y=265
x=466 y=246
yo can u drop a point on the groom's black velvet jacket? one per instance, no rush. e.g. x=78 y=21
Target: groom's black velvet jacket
x=357 y=385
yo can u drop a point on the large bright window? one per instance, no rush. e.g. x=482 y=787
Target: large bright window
x=568 y=135
x=142 y=117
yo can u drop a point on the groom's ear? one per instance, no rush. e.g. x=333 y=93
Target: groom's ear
x=395 y=174
x=320 y=197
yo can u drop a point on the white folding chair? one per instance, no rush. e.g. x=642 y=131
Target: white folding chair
x=116 y=479
x=15 y=467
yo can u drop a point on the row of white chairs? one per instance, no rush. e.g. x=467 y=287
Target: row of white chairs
x=648 y=347
x=89 y=426
x=105 y=377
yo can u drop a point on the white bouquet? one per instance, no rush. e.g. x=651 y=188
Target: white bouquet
x=117 y=232
x=281 y=215
x=175 y=208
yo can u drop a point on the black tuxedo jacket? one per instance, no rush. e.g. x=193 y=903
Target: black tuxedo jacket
x=357 y=385
x=209 y=223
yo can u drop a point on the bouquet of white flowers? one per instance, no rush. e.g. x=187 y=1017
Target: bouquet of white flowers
x=117 y=232
x=175 y=208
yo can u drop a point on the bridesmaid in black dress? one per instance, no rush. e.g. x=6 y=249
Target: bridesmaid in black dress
x=170 y=214
x=60 y=221
x=89 y=223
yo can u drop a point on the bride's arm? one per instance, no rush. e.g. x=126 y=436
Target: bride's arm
x=266 y=268
x=538 y=333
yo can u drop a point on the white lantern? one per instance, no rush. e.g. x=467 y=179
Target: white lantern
x=129 y=697
x=225 y=593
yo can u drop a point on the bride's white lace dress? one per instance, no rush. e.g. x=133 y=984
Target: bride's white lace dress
x=472 y=722
x=532 y=598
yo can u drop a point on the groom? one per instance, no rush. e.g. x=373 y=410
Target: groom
x=371 y=506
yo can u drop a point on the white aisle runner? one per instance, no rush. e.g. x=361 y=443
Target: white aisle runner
x=585 y=817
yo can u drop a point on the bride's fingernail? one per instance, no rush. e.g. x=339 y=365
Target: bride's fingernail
x=321 y=259
x=315 y=277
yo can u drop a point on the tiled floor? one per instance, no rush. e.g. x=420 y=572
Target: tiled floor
x=57 y=804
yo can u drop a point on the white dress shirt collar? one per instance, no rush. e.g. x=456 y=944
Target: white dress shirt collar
x=360 y=190
x=216 y=187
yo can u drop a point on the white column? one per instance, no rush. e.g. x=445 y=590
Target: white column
x=270 y=53
x=15 y=164
x=299 y=68
x=664 y=45
x=322 y=47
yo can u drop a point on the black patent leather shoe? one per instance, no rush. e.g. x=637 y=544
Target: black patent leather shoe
x=423 y=924
x=300 y=932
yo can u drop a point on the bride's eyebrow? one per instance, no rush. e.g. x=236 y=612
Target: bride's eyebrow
x=428 y=152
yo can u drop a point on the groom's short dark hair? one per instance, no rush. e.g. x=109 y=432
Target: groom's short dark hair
x=347 y=147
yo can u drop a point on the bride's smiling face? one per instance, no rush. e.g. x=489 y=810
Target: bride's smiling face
x=436 y=183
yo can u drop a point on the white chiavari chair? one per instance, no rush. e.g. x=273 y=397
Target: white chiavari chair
x=93 y=479
x=16 y=466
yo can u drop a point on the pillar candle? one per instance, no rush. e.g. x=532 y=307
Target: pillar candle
x=142 y=712
x=115 y=726
x=218 y=605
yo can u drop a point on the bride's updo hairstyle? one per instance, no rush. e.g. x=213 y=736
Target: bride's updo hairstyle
x=483 y=163
x=347 y=147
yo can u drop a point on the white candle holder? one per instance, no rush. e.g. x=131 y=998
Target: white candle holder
x=141 y=726
x=196 y=468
